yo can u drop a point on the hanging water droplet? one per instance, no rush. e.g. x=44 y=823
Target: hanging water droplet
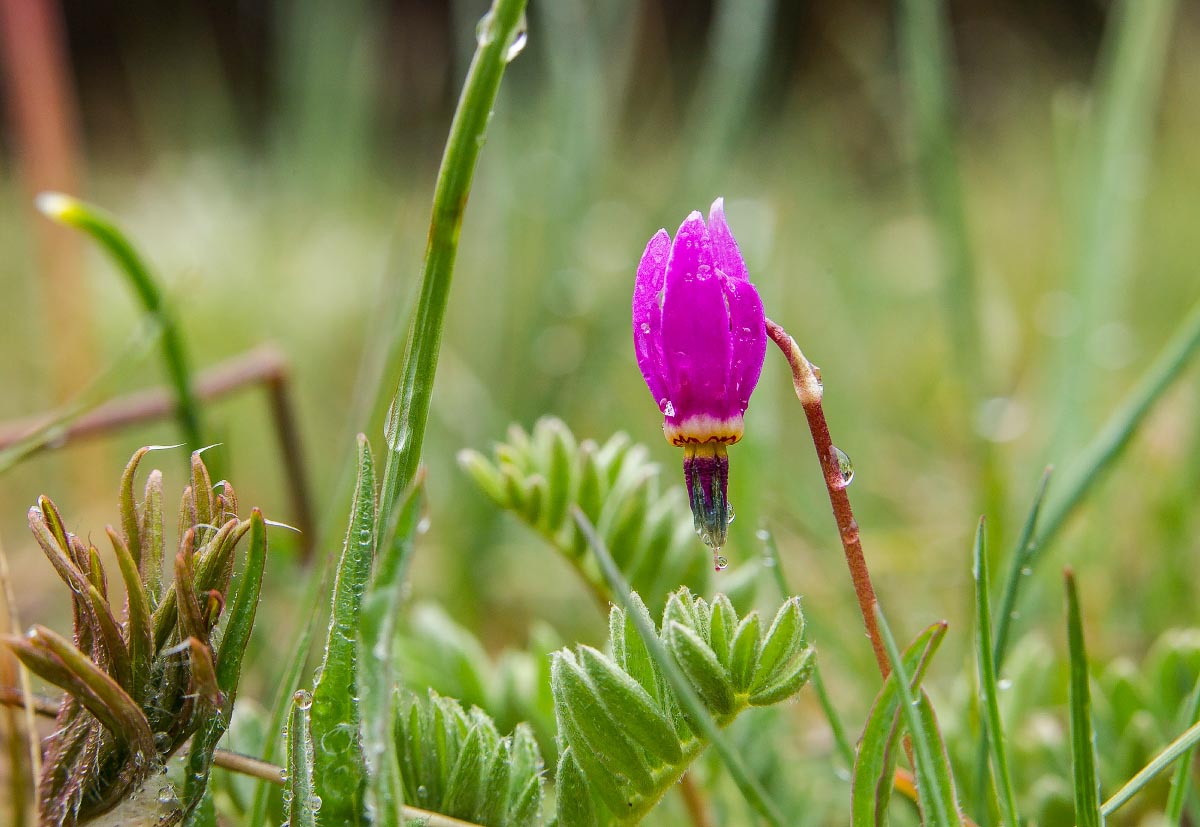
x=845 y=466
x=719 y=562
x=166 y=795
x=302 y=699
x=816 y=371
x=485 y=31
x=669 y=408
x=1027 y=570
x=763 y=534
x=1003 y=683
x=730 y=513
x=517 y=43
x=422 y=792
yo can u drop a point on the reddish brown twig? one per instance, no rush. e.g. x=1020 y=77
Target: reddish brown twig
x=264 y=366
x=808 y=391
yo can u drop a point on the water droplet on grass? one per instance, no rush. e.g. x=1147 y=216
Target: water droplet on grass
x=303 y=699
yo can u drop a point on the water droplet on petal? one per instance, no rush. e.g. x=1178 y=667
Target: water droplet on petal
x=844 y=465
x=669 y=408
x=729 y=517
x=646 y=328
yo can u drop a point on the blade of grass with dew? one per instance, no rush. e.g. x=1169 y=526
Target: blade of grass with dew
x=1180 y=747
x=775 y=564
x=1181 y=781
x=1103 y=450
x=103 y=228
x=934 y=779
x=1083 y=736
x=339 y=767
x=97 y=391
x=381 y=607
x=749 y=787
x=875 y=765
x=300 y=802
x=1111 y=173
x=1002 y=773
x=409 y=411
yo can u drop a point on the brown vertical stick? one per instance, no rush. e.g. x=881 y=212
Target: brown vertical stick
x=808 y=391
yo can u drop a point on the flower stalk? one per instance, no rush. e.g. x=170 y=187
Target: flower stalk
x=807 y=380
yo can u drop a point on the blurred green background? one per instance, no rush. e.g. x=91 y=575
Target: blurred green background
x=275 y=162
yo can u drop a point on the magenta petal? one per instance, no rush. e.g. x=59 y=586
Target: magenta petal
x=695 y=323
x=748 y=325
x=647 y=315
x=725 y=249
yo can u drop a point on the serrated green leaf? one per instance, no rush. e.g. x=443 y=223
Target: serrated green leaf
x=701 y=667
x=743 y=659
x=784 y=640
x=631 y=707
x=493 y=804
x=526 y=809
x=638 y=662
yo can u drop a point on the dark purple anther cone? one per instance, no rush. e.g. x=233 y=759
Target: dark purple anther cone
x=706 y=470
x=700 y=337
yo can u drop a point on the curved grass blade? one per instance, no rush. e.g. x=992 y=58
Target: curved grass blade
x=987 y=680
x=1181 y=781
x=749 y=786
x=1083 y=737
x=409 y=411
x=103 y=228
x=934 y=780
x=1180 y=747
x=879 y=749
x=339 y=770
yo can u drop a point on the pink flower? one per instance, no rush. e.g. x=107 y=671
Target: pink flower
x=700 y=337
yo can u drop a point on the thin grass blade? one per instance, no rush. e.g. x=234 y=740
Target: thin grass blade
x=1083 y=736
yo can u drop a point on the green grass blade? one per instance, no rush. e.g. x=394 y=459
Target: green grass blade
x=103 y=228
x=1112 y=171
x=381 y=606
x=932 y=766
x=879 y=748
x=840 y=740
x=1083 y=737
x=300 y=805
x=925 y=56
x=409 y=411
x=1093 y=462
x=1017 y=569
x=1181 y=781
x=339 y=769
x=750 y=788
x=987 y=681
x=1181 y=747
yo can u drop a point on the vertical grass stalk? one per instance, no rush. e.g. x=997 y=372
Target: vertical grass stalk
x=409 y=410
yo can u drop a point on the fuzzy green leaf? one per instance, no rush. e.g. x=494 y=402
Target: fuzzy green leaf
x=784 y=641
x=300 y=801
x=743 y=660
x=631 y=707
x=702 y=668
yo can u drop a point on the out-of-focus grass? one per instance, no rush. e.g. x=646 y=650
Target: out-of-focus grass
x=821 y=194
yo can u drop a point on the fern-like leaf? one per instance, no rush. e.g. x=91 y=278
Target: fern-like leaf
x=624 y=739
x=647 y=525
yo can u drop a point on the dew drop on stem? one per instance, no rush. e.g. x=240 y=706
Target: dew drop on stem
x=844 y=465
